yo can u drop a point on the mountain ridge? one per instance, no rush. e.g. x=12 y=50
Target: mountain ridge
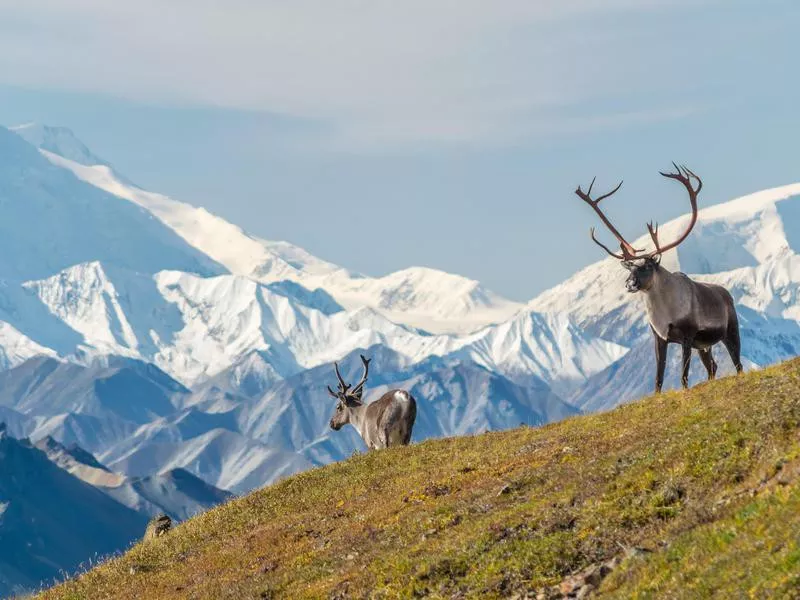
x=51 y=521
x=428 y=292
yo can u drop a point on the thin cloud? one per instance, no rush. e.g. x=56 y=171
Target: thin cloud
x=378 y=72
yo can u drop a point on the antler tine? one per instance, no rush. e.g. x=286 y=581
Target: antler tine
x=331 y=392
x=603 y=246
x=628 y=251
x=672 y=175
x=653 y=229
x=614 y=191
x=361 y=383
x=690 y=173
x=685 y=176
x=342 y=385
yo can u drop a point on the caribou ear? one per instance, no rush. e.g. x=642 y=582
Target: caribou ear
x=628 y=265
x=657 y=259
x=353 y=399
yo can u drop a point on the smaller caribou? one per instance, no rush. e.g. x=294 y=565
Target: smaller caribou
x=680 y=310
x=384 y=423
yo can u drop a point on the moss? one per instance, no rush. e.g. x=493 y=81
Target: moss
x=703 y=479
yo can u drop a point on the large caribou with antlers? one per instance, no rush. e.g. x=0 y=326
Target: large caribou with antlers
x=384 y=423
x=680 y=310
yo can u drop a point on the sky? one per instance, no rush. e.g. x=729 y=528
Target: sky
x=442 y=133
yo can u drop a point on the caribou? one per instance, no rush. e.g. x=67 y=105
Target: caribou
x=384 y=423
x=680 y=311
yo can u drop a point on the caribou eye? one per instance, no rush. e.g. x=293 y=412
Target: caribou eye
x=339 y=407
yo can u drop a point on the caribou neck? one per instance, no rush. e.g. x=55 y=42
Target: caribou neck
x=667 y=300
x=358 y=418
x=660 y=277
x=657 y=293
x=664 y=282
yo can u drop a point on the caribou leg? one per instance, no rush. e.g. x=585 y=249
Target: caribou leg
x=687 y=359
x=661 y=361
x=708 y=362
x=733 y=343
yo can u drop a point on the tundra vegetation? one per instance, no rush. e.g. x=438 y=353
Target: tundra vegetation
x=704 y=482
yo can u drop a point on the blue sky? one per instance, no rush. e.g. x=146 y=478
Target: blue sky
x=449 y=134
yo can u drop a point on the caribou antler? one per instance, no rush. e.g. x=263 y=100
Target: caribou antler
x=357 y=389
x=343 y=387
x=685 y=176
x=653 y=229
x=628 y=251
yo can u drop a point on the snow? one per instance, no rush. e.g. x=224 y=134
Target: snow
x=50 y=220
x=58 y=140
x=419 y=297
x=196 y=327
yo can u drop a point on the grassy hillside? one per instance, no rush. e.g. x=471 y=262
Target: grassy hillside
x=691 y=494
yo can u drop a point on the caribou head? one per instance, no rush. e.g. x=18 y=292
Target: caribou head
x=349 y=398
x=643 y=265
x=641 y=274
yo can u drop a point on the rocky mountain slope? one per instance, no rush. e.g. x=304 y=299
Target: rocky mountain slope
x=51 y=521
x=61 y=509
x=175 y=492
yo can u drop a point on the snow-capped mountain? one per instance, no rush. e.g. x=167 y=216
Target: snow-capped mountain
x=51 y=220
x=195 y=327
x=420 y=297
x=61 y=141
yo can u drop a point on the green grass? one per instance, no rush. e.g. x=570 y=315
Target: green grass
x=707 y=480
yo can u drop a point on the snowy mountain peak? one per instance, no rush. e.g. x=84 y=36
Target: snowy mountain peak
x=743 y=232
x=420 y=297
x=58 y=140
x=416 y=287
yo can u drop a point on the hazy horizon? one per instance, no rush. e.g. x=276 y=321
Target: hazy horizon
x=449 y=135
